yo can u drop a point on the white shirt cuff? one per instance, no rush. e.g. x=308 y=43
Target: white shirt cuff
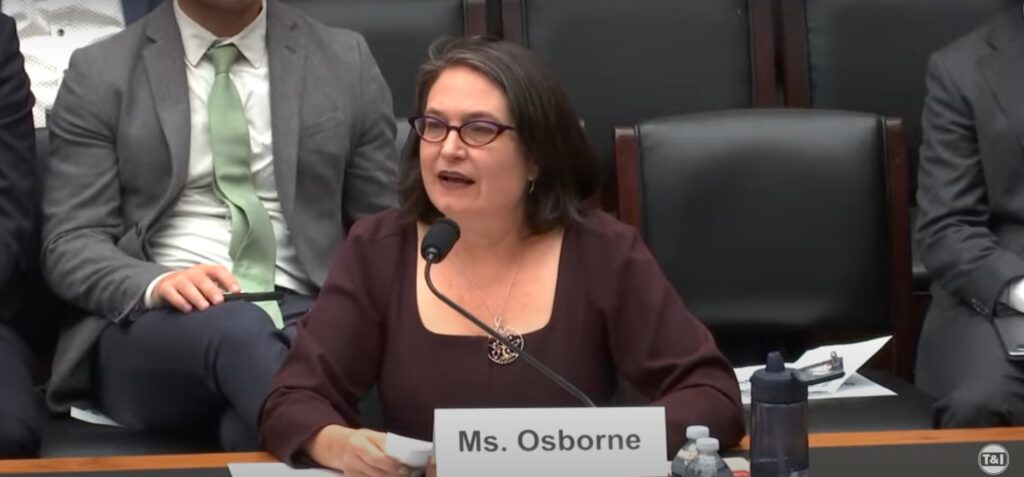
x=149 y=300
x=1014 y=295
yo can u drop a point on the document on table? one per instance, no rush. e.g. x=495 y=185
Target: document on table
x=850 y=385
x=411 y=452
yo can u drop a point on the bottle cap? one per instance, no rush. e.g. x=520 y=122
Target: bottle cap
x=707 y=444
x=776 y=384
x=696 y=432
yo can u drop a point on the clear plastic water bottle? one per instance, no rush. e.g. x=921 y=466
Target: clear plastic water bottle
x=689 y=450
x=707 y=463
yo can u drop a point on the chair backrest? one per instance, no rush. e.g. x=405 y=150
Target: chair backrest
x=625 y=60
x=775 y=226
x=871 y=55
x=399 y=32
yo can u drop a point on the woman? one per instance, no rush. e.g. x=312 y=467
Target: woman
x=501 y=153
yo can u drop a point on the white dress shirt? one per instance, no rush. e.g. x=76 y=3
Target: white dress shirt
x=198 y=229
x=50 y=30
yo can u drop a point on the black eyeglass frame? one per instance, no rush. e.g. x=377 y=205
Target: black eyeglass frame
x=501 y=128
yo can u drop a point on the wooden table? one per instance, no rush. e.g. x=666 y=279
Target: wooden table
x=818 y=441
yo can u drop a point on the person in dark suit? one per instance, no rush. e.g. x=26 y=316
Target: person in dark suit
x=172 y=188
x=970 y=228
x=50 y=30
x=20 y=416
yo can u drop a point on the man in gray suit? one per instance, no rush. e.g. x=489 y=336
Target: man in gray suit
x=970 y=228
x=214 y=147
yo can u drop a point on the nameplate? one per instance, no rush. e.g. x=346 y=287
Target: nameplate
x=612 y=442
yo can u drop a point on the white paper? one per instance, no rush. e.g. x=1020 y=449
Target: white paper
x=855 y=386
x=737 y=464
x=854 y=356
x=276 y=469
x=409 y=451
x=92 y=417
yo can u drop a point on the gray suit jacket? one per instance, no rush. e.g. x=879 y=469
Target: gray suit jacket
x=120 y=150
x=970 y=228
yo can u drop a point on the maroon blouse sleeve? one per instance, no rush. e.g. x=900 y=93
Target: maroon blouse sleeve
x=658 y=346
x=335 y=357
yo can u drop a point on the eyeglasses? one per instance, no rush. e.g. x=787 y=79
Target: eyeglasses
x=474 y=133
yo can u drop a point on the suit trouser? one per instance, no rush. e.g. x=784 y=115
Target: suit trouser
x=961 y=362
x=20 y=408
x=194 y=373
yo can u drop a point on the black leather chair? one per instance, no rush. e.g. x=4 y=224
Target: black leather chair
x=871 y=56
x=781 y=229
x=399 y=32
x=778 y=227
x=625 y=60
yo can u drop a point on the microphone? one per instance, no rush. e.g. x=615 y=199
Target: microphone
x=437 y=242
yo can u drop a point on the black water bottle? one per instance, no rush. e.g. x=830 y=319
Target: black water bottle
x=778 y=419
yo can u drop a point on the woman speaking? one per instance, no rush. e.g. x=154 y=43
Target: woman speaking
x=502 y=154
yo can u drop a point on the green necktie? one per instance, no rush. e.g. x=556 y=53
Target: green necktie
x=253 y=245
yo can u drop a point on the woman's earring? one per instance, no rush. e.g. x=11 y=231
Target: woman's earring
x=533 y=182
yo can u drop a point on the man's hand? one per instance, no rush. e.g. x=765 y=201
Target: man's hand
x=198 y=287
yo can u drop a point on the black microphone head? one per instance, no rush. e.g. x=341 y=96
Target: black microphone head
x=439 y=240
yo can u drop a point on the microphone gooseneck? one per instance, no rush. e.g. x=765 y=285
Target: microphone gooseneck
x=438 y=241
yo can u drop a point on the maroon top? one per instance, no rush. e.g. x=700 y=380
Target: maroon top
x=614 y=312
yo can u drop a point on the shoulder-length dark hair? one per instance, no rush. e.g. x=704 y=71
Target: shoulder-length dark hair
x=545 y=123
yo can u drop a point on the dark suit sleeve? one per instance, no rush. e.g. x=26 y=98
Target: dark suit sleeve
x=957 y=247
x=18 y=183
x=371 y=175
x=659 y=347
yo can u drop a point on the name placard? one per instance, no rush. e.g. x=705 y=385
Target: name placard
x=596 y=442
